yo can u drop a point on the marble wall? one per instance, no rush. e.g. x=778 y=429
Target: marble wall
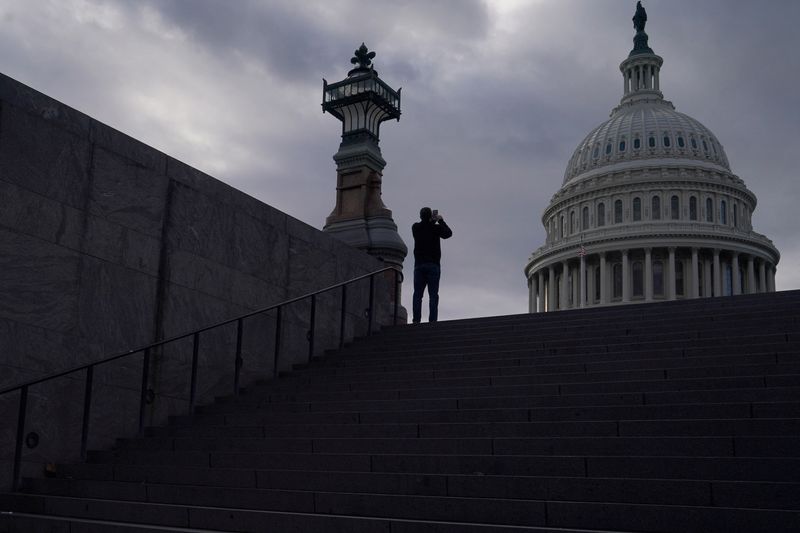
x=108 y=244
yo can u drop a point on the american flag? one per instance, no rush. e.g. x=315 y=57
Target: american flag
x=582 y=251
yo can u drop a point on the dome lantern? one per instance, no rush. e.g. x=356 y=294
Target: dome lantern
x=641 y=69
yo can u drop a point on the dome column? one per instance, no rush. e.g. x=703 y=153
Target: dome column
x=648 y=274
x=717 y=274
x=576 y=290
x=695 y=275
x=751 y=275
x=671 y=275
x=540 y=301
x=603 y=279
x=626 y=277
x=771 y=278
x=532 y=283
x=737 y=279
x=564 y=285
x=762 y=276
x=551 y=288
x=582 y=280
x=707 y=291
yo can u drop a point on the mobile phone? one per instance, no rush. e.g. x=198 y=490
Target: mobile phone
x=435 y=214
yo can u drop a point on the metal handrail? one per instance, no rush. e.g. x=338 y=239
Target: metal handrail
x=195 y=334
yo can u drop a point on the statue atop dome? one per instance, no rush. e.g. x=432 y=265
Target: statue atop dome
x=640 y=18
x=640 y=39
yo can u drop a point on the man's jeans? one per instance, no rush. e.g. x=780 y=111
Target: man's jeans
x=426 y=275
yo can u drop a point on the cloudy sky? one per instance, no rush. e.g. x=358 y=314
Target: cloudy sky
x=496 y=95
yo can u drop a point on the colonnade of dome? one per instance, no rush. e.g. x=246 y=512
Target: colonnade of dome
x=649 y=210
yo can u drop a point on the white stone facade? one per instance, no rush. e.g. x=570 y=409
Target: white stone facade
x=649 y=210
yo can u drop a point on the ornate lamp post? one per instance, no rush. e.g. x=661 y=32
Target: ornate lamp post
x=362 y=101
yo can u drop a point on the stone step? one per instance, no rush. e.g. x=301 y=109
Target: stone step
x=568 y=345
x=150 y=486
x=629 y=351
x=561 y=334
x=530 y=376
x=488 y=388
x=570 y=428
x=676 y=446
x=38 y=523
x=247 y=405
x=221 y=519
x=508 y=414
x=708 y=309
x=651 y=466
x=452 y=366
x=765 y=323
x=757 y=494
x=696 y=325
x=345 y=507
x=766 y=364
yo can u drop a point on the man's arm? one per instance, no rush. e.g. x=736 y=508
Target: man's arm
x=443 y=229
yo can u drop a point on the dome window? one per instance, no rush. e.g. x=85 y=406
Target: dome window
x=596 y=151
x=608 y=149
x=585 y=218
x=622 y=145
x=651 y=142
x=694 y=143
x=705 y=146
x=572 y=222
x=637 y=143
x=735 y=215
x=601 y=214
x=675 y=208
x=637 y=209
x=563 y=226
x=693 y=208
x=656 y=208
x=667 y=141
x=723 y=212
x=681 y=142
x=709 y=210
x=618 y=212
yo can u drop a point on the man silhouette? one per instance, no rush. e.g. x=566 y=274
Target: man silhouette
x=427 y=254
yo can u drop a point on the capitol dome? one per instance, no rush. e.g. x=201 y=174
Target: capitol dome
x=649 y=209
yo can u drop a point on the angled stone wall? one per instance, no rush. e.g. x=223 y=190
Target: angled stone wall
x=107 y=244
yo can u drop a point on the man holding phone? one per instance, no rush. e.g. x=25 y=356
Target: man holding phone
x=427 y=254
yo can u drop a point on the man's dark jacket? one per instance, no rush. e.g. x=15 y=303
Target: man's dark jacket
x=427 y=248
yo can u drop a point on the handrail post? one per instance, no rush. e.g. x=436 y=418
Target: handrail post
x=277 y=343
x=23 y=405
x=371 y=305
x=344 y=310
x=396 y=295
x=238 y=362
x=87 y=410
x=193 y=382
x=311 y=325
x=143 y=396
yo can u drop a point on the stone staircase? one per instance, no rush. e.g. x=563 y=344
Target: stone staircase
x=676 y=416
